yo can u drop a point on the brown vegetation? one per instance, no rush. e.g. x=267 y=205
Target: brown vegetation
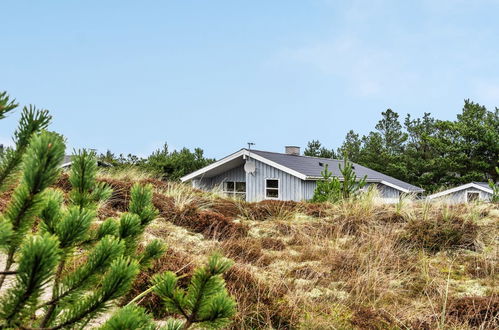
x=356 y=264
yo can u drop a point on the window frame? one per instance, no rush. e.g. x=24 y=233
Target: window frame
x=278 y=189
x=234 y=193
x=472 y=192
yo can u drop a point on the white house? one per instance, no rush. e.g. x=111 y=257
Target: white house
x=466 y=193
x=255 y=175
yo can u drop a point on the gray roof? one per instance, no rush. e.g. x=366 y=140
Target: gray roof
x=313 y=166
x=67 y=161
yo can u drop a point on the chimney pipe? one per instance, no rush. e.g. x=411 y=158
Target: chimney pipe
x=292 y=150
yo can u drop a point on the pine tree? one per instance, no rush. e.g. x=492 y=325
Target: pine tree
x=6 y=104
x=351 y=184
x=351 y=146
x=315 y=149
x=32 y=121
x=205 y=302
x=328 y=188
x=64 y=233
x=331 y=189
x=40 y=169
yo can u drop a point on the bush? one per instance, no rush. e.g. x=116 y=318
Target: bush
x=438 y=234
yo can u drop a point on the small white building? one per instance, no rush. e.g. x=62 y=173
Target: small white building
x=466 y=193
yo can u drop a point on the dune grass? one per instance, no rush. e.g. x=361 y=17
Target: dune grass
x=357 y=264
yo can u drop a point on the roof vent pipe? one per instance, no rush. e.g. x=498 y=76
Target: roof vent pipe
x=292 y=150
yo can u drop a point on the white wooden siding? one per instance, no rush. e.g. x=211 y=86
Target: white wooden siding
x=290 y=187
x=461 y=196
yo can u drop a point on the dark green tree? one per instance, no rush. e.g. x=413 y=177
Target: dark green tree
x=495 y=189
x=351 y=146
x=174 y=165
x=478 y=139
x=419 y=152
x=328 y=188
x=333 y=189
x=391 y=132
x=315 y=149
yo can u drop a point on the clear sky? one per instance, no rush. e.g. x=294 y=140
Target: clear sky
x=130 y=75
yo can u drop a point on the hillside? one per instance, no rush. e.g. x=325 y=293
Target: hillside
x=356 y=264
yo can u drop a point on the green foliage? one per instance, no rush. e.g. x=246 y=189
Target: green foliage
x=32 y=121
x=427 y=152
x=315 y=149
x=40 y=169
x=205 y=302
x=111 y=260
x=5 y=231
x=153 y=251
x=51 y=213
x=130 y=317
x=116 y=282
x=73 y=226
x=129 y=230
x=328 y=188
x=141 y=203
x=6 y=104
x=331 y=189
x=86 y=192
x=169 y=165
x=174 y=165
x=109 y=227
x=351 y=146
x=38 y=257
x=100 y=257
x=495 y=189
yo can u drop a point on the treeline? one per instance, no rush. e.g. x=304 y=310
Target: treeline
x=427 y=152
x=169 y=165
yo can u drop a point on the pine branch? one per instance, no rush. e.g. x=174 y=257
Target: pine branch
x=206 y=302
x=39 y=256
x=153 y=251
x=141 y=203
x=51 y=214
x=116 y=283
x=6 y=104
x=40 y=169
x=10 y=272
x=129 y=317
x=102 y=255
x=32 y=121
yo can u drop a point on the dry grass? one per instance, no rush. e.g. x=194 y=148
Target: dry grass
x=357 y=264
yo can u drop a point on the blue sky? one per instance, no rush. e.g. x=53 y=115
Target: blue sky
x=130 y=75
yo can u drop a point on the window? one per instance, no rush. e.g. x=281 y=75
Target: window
x=473 y=196
x=235 y=189
x=272 y=188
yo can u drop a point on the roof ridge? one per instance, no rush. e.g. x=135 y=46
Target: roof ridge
x=283 y=153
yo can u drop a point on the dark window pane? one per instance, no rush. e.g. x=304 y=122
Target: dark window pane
x=272 y=193
x=473 y=197
x=229 y=186
x=272 y=184
x=241 y=186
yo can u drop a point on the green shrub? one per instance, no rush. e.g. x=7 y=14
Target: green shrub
x=332 y=189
